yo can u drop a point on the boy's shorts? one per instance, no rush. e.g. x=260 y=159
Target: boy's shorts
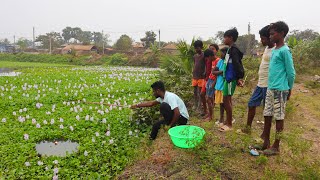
x=275 y=104
x=218 y=97
x=197 y=82
x=210 y=88
x=229 y=88
x=258 y=96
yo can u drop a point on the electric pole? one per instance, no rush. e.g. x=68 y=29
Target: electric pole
x=50 y=44
x=159 y=38
x=33 y=39
x=249 y=28
x=102 y=43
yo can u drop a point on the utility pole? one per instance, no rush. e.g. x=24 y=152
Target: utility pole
x=159 y=38
x=14 y=43
x=50 y=44
x=102 y=43
x=249 y=28
x=33 y=39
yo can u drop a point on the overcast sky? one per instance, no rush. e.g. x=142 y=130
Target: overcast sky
x=177 y=19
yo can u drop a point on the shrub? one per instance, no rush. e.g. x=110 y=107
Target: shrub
x=116 y=59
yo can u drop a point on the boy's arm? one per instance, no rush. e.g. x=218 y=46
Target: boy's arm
x=291 y=73
x=216 y=71
x=145 y=104
x=236 y=61
x=176 y=115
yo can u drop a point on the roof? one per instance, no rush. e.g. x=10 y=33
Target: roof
x=170 y=47
x=80 y=47
x=138 y=45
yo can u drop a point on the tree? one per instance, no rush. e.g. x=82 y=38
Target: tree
x=124 y=43
x=247 y=43
x=24 y=43
x=85 y=37
x=4 y=41
x=219 y=37
x=67 y=34
x=306 y=35
x=56 y=40
x=149 y=39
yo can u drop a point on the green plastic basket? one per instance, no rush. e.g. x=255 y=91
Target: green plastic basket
x=186 y=136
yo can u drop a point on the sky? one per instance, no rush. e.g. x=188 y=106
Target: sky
x=176 y=19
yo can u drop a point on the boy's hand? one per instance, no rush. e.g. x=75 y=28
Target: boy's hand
x=289 y=95
x=240 y=83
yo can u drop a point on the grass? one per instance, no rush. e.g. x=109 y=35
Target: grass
x=10 y=64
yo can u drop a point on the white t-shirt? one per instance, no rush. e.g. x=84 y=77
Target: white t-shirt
x=174 y=101
x=264 y=68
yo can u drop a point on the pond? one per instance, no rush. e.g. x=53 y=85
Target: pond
x=56 y=148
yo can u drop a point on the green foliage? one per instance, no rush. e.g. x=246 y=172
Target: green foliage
x=116 y=59
x=60 y=90
x=262 y=160
x=305 y=35
x=149 y=39
x=292 y=42
x=247 y=43
x=124 y=43
x=54 y=37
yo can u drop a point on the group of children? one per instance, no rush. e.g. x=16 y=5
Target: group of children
x=215 y=80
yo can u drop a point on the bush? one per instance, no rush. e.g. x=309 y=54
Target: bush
x=116 y=59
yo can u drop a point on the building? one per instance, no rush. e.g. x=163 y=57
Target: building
x=79 y=49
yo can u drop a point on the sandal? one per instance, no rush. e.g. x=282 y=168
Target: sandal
x=225 y=128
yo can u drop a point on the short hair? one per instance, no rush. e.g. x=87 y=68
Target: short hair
x=232 y=33
x=224 y=50
x=198 y=43
x=279 y=27
x=265 y=32
x=208 y=53
x=215 y=46
x=158 y=85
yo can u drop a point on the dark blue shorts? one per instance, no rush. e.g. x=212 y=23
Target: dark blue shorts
x=210 y=87
x=258 y=96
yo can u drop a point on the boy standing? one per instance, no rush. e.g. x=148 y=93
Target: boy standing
x=198 y=75
x=233 y=74
x=280 y=82
x=259 y=93
x=218 y=97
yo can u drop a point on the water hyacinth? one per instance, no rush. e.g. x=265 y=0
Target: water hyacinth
x=78 y=117
x=85 y=153
x=55 y=177
x=27 y=164
x=97 y=134
x=111 y=141
x=61 y=126
x=52 y=121
x=26 y=136
x=40 y=163
x=38 y=125
x=55 y=162
x=45 y=122
x=4 y=120
x=108 y=133
x=71 y=128
x=61 y=119
x=33 y=121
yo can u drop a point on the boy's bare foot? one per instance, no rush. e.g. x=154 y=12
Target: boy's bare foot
x=271 y=152
x=208 y=119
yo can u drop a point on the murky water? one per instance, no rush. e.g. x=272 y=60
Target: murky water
x=8 y=72
x=56 y=148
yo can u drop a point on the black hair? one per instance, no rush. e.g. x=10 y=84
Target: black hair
x=198 y=43
x=265 y=32
x=158 y=85
x=208 y=53
x=215 y=46
x=224 y=50
x=279 y=27
x=232 y=33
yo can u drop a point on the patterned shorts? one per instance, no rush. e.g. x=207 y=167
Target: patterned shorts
x=275 y=104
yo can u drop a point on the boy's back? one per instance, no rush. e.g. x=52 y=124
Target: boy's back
x=281 y=69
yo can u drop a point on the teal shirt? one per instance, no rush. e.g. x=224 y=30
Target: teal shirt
x=281 y=69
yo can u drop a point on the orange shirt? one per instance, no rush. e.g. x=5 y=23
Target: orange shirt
x=214 y=64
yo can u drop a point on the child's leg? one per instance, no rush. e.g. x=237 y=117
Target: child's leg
x=195 y=96
x=221 y=113
x=251 y=114
x=203 y=100
x=266 y=131
x=210 y=107
x=279 y=129
x=228 y=108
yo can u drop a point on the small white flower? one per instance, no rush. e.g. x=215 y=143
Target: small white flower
x=26 y=136
x=4 y=120
x=61 y=126
x=91 y=118
x=34 y=121
x=111 y=141
x=14 y=113
x=25 y=109
x=85 y=153
x=104 y=120
x=71 y=128
x=45 y=122
x=40 y=163
x=97 y=134
x=27 y=116
x=78 y=117
x=10 y=97
x=52 y=121
x=55 y=162
x=46 y=168
x=130 y=133
x=20 y=110
x=61 y=120
x=71 y=109
x=55 y=177
x=87 y=117
x=93 y=140
x=27 y=164
x=108 y=133
x=38 y=125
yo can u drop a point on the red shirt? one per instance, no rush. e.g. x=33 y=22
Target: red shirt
x=208 y=69
x=214 y=64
